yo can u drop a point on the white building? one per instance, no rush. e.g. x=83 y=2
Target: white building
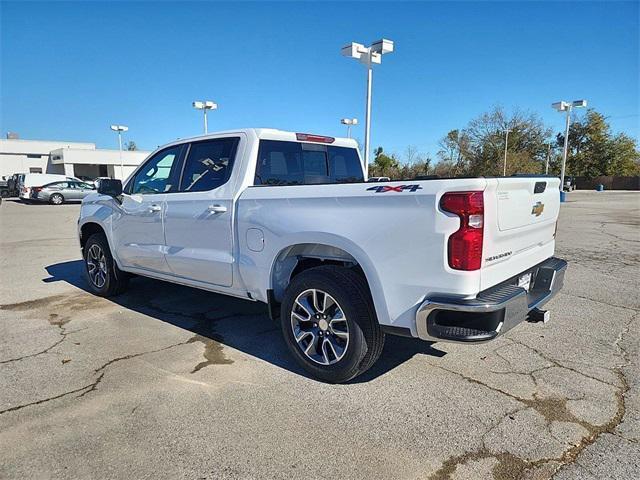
x=70 y=158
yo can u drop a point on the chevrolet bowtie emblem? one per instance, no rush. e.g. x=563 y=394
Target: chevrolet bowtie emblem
x=537 y=209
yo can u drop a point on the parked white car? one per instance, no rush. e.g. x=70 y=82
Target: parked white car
x=378 y=179
x=288 y=219
x=30 y=180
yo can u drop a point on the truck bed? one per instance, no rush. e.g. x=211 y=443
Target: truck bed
x=397 y=231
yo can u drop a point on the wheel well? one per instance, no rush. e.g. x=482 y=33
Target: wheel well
x=87 y=230
x=296 y=259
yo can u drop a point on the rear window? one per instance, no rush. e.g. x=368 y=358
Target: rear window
x=293 y=163
x=209 y=164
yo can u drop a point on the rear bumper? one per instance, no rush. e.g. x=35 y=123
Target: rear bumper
x=494 y=311
x=37 y=197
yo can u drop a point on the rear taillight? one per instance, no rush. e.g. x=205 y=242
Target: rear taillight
x=36 y=189
x=465 y=245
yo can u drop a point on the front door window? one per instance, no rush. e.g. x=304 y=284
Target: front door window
x=160 y=174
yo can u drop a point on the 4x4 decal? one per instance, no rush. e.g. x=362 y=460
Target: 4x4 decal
x=398 y=188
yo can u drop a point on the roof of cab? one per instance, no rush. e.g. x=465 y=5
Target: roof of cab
x=266 y=134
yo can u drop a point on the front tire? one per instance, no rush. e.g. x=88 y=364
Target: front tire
x=329 y=323
x=104 y=277
x=56 y=199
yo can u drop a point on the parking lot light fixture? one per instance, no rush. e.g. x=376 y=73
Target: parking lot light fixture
x=368 y=56
x=563 y=106
x=120 y=129
x=349 y=122
x=204 y=106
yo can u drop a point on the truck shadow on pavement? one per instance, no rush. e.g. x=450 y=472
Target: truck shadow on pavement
x=222 y=320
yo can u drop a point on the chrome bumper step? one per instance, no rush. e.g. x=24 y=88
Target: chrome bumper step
x=494 y=311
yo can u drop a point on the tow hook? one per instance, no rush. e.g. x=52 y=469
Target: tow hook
x=536 y=315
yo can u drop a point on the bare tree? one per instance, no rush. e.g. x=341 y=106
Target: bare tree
x=411 y=154
x=455 y=149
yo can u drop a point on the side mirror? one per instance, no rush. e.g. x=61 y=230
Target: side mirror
x=110 y=186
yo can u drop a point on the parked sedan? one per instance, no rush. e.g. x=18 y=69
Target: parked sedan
x=57 y=193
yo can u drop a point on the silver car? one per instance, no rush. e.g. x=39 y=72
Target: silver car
x=57 y=193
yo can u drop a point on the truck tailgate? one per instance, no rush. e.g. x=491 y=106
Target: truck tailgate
x=519 y=225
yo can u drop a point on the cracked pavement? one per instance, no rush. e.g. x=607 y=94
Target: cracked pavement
x=167 y=381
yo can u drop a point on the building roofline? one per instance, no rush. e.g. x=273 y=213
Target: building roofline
x=27 y=140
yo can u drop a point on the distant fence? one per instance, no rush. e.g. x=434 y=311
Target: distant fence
x=610 y=183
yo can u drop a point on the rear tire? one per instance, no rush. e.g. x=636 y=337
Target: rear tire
x=103 y=275
x=341 y=337
x=56 y=199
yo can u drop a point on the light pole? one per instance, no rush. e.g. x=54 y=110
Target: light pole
x=349 y=122
x=506 y=142
x=204 y=106
x=546 y=164
x=563 y=106
x=120 y=129
x=368 y=56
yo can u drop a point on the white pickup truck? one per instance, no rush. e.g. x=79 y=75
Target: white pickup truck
x=288 y=219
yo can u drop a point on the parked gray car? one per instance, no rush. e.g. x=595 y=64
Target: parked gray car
x=59 y=192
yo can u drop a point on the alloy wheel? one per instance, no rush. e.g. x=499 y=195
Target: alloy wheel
x=97 y=266
x=320 y=327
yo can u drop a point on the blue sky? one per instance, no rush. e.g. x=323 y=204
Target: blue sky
x=69 y=70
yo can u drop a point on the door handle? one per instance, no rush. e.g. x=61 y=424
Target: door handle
x=155 y=208
x=216 y=208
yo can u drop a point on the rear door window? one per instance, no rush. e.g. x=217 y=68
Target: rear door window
x=294 y=163
x=208 y=164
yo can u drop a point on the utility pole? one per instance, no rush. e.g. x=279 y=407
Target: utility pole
x=563 y=106
x=120 y=129
x=506 y=142
x=368 y=56
x=546 y=164
x=565 y=149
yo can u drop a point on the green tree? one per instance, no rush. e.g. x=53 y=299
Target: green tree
x=383 y=165
x=526 y=149
x=478 y=149
x=594 y=151
x=414 y=164
x=131 y=146
x=625 y=157
x=454 y=153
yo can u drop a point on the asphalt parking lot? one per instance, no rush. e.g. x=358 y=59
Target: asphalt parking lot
x=171 y=382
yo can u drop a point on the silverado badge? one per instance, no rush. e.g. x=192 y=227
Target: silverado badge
x=537 y=209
